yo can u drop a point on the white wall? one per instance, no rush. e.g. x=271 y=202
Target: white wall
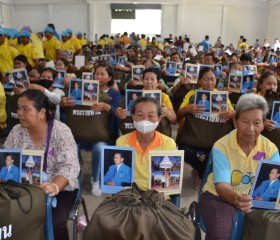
x=226 y=18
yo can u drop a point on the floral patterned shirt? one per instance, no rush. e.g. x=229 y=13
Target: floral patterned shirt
x=62 y=158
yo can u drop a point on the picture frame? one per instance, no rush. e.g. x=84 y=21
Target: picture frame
x=166 y=171
x=250 y=69
x=112 y=180
x=275 y=113
x=20 y=78
x=179 y=69
x=170 y=67
x=14 y=171
x=263 y=193
x=272 y=58
x=218 y=70
x=137 y=73
x=191 y=71
x=8 y=85
x=87 y=76
x=247 y=83
x=153 y=94
x=90 y=92
x=69 y=55
x=58 y=82
x=201 y=66
x=219 y=102
x=203 y=97
x=32 y=167
x=93 y=60
x=75 y=91
x=79 y=61
x=131 y=95
x=235 y=82
x=122 y=60
x=113 y=60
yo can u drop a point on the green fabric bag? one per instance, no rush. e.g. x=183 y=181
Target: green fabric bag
x=262 y=225
x=138 y=215
x=22 y=211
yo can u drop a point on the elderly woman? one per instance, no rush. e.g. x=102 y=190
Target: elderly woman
x=39 y=131
x=197 y=134
x=235 y=158
x=146 y=114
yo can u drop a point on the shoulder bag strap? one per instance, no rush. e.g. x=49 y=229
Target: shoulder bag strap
x=50 y=126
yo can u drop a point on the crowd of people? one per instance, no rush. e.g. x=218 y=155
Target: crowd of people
x=35 y=116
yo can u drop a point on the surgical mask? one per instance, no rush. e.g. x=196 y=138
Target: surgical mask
x=145 y=126
x=234 y=71
x=46 y=83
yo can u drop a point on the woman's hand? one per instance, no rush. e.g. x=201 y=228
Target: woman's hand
x=50 y=188
x=67 y=102
x=164 y=110
x=243 y=202
x=132 y=82
x=269 y=125
x=194 y=108
x=18 y=90
x=101 y=106
x=226 y=115
x=121 y=113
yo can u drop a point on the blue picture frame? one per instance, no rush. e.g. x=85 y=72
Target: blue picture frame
x=107 y=162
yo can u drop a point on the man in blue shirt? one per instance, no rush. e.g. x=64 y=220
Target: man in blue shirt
x=10 y=171
x=118 y=174
x=205 y=43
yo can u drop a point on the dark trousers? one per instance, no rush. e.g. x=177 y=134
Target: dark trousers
x=196 y=157
x=65 y=202
x=217 y=216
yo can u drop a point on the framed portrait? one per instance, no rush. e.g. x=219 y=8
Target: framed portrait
x=218 y=70
x=9 y=85
x=179 y=69
x=20 y=78
x=93 y=60
x=191 y=71
x=265 y=189
x=247 y=83
x=219 y=102
x=137 y=73
x=90 y=92
x=202 y=97
x=117 y=168
x=272 y=58
x=250 y=69
x=229 y=64
x=153 y=94
x=58 y=82
x=113 y=59
x=166 y=171
x=131 y=95
x=275 y=114
x=122 y=60
x=10 y=164
x=75 y=91
x=235 y=82
x=69 y=55
x=87 y=76
x=32 y=167
x=170 y=67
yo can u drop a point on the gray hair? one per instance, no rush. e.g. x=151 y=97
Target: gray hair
x=251 y=101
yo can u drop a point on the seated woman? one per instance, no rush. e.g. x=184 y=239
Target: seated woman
x=235 y=158
x=197 y=134
x=151 y=78
x=146 y=114
x=39 y=131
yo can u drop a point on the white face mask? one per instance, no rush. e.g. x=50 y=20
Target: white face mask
x=145 y=126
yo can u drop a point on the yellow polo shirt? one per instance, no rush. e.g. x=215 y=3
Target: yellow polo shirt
x=75 y=43
x=38 y=44
x=67 y=46
x=50 y=48
x=231 y=165
x=141 y=161
x=7 y=55
x=30 y=52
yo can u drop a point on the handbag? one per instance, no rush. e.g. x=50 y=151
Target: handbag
x=137 y=214
x=262 y=225
x=22 y=211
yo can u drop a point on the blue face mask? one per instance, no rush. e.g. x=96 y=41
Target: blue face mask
x=235 y=71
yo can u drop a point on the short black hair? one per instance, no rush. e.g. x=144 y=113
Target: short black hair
x=154 y=70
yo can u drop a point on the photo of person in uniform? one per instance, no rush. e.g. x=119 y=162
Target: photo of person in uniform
x=10 y=171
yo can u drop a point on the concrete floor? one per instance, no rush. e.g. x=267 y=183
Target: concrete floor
x=187 y=196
